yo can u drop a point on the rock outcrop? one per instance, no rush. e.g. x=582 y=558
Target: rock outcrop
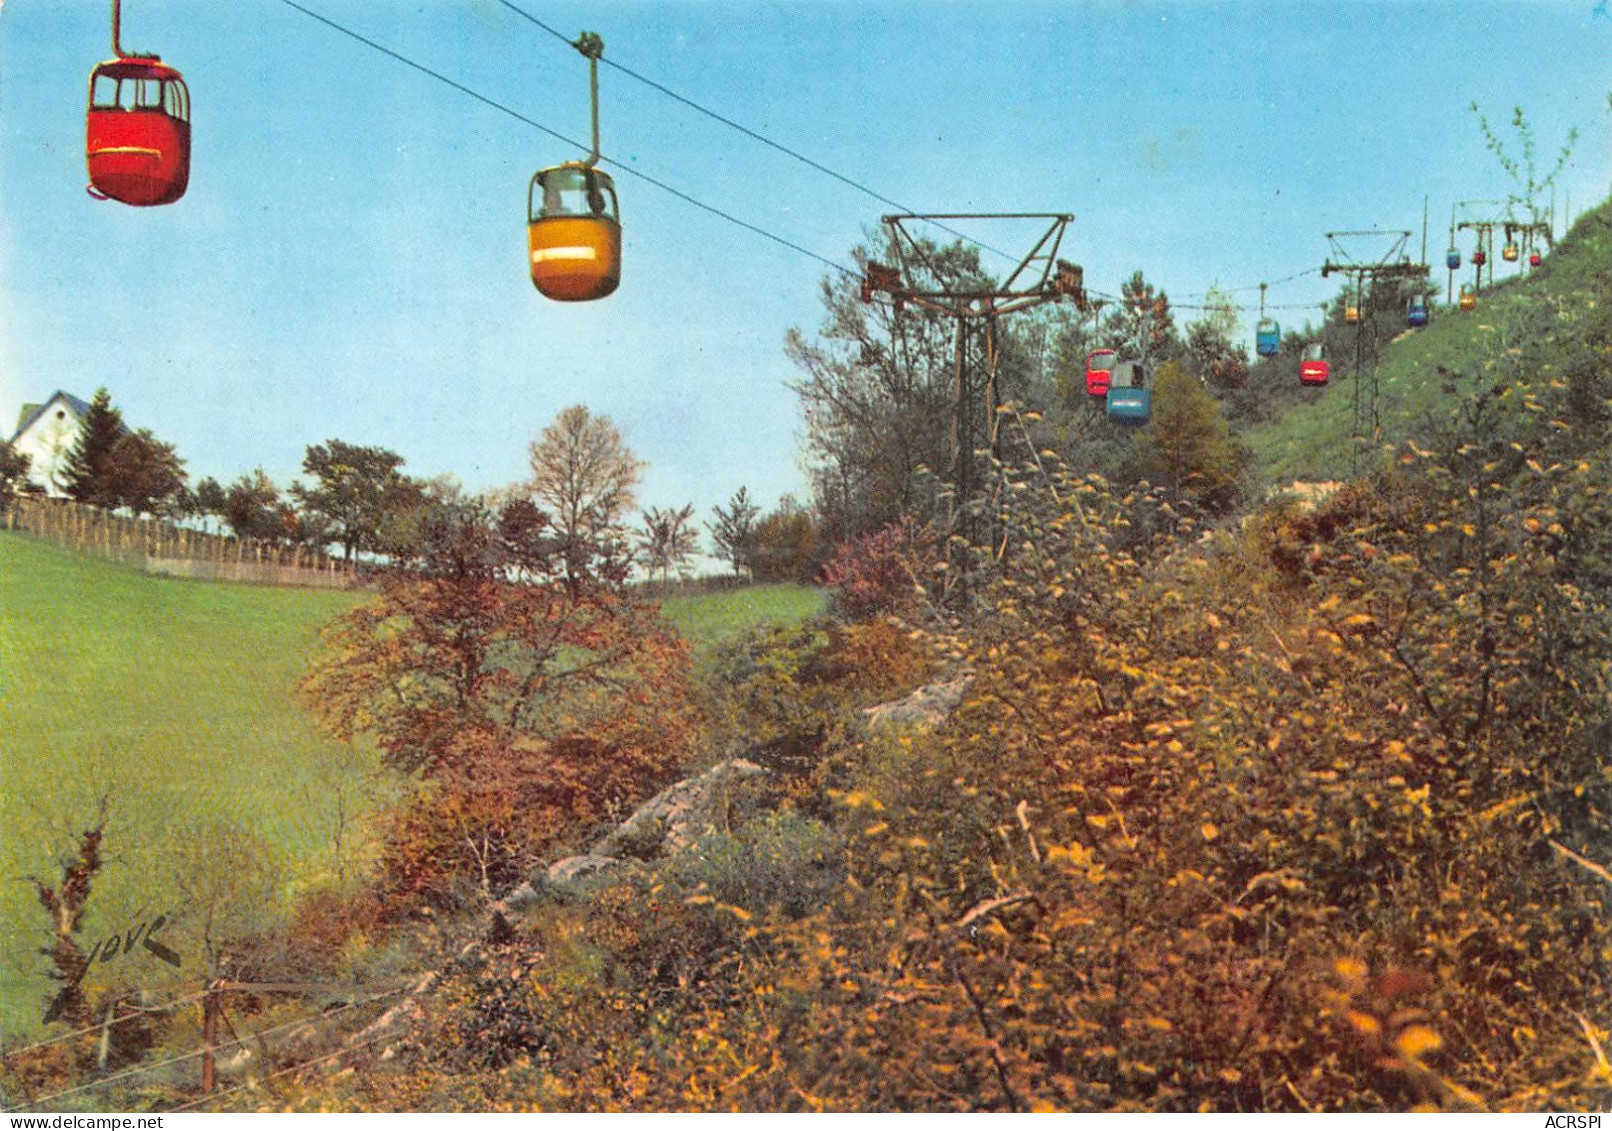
x=666 y=824
x=928 y=706
x=663 y=826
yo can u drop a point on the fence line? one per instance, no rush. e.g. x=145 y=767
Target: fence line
x=160 y=547
x=343 y=1051
x=210 y=1048
x=111 y=1023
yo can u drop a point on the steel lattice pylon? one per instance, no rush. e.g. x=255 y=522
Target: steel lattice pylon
x=1389 y=261
x=1040 y=277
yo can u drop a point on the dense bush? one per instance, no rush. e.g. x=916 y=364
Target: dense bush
x=1298 y=821
x=785 y=861
x=887 y=571
x=778 y=694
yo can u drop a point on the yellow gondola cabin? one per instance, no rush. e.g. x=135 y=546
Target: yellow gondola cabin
x=573 y=233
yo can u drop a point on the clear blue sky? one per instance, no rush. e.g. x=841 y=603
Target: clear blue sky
x=349 y=261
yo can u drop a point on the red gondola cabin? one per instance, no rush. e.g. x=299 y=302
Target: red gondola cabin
x=1099 y=372
x=1314 y=369
x=137 y=143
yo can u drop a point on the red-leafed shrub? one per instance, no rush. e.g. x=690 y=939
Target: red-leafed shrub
x=883 y=572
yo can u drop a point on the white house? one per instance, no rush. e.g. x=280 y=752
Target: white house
x=46 y=434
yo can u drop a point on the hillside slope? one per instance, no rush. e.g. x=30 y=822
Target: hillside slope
x=176 y=699
x=1421 y=368
x=172 y=698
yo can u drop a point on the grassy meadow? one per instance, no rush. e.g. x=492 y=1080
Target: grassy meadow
x=704 y=619
x=175 y=699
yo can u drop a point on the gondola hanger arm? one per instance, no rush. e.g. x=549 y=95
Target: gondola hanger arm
x=591 y=45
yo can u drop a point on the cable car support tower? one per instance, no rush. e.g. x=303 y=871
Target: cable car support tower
x=1393 y=263
x=1502 y=217
x=976 y=306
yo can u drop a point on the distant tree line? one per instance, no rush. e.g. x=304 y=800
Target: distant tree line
x=359 y=500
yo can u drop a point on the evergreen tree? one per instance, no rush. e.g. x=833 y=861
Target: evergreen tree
x=1141 y=326
x=13 y=472
x=87 y=477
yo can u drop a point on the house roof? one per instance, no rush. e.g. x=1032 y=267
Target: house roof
x=32 y=412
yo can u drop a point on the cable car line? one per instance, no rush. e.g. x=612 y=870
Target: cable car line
x=1239 y=308
x=712 y=209
x=518 y=116
x=1256 y=286
x=752 y=134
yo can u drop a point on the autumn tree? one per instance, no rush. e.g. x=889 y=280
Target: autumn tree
x=525 y=705
x=583 y=478
x=354 y=490
x=733 y=530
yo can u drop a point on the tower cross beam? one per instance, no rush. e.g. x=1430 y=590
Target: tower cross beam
x=1038 y=278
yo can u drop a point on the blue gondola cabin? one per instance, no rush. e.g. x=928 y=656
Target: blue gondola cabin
x=1130 y=401
x=1416 y=311
x=1267 y=337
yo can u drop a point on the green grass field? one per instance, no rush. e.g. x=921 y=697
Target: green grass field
x=707 y=618
x=176 y=700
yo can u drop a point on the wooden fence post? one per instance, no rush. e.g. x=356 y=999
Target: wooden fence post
x=211 y=1009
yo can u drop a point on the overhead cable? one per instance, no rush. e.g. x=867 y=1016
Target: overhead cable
x=753 y=134
x=518 y=116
